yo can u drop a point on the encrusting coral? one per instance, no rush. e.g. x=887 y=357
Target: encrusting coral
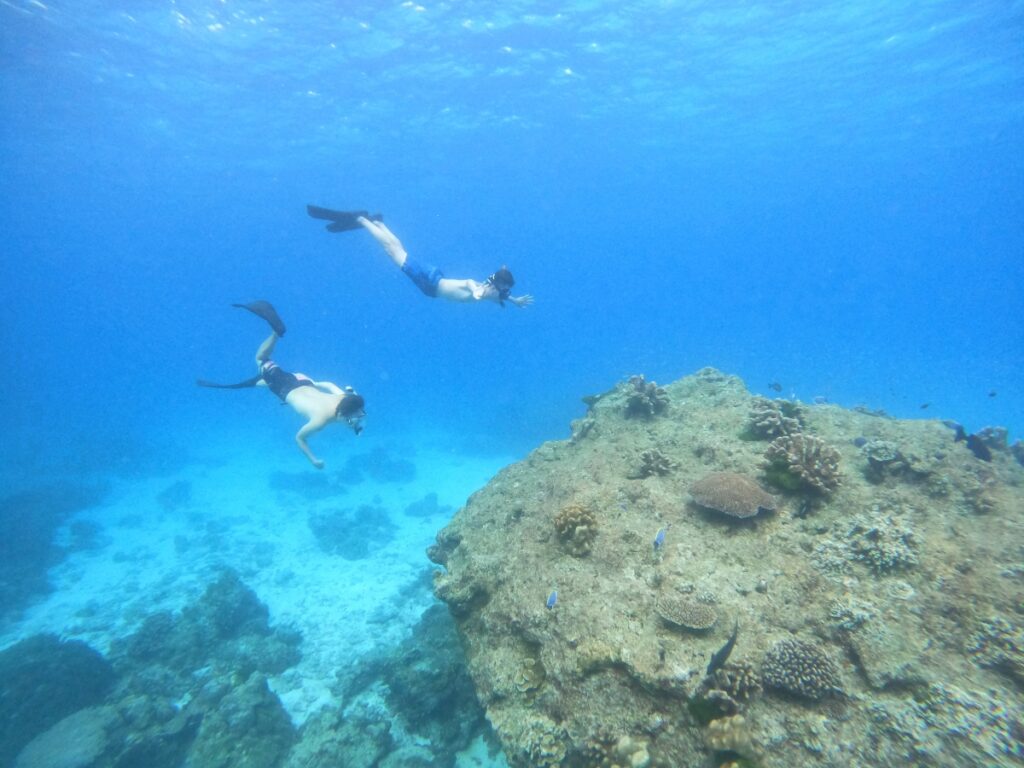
x=800 y=461
x=800 y=668
x=882 y=542
x=577 y=528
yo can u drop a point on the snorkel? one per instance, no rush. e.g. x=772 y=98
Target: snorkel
x=502 y=281
x=350 y=410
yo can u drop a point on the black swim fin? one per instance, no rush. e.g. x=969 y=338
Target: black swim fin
x=240 y=385
x=341 y=221
x=265 y=310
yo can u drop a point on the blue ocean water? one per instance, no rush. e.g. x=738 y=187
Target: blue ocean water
x=829 y=196
x=825 y=197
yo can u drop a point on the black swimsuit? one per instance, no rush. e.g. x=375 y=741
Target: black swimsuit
x=280 y=381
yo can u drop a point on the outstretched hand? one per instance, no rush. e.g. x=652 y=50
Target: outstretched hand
x=521 y=301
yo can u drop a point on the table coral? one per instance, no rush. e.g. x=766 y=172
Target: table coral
x=733 y=494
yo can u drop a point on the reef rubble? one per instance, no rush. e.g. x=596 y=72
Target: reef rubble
x=879 y=605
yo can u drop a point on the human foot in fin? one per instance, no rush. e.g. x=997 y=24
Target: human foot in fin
x=341 y=221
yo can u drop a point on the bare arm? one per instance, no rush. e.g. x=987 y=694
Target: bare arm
x=309 y=428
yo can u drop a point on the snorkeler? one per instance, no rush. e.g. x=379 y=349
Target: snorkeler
x=320 y=402
x=429 y=279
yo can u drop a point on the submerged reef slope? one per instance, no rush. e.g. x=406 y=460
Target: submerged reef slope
x=873 y=617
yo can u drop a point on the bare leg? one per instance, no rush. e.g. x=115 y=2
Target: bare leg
x=266 y=349
x=391 y=244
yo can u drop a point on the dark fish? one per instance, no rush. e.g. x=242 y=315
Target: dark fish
x=924 y=405
x=820 y=400
x=957 y=428
x=552 y=599
x=992 y=393
x=775 y=386
x=721 y=656
x=977 y=446
x=860 y=442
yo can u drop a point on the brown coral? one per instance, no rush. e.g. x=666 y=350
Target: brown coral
x=577 y=528
x=739 y=680
x=801 y=460
x=772 y=418
x=731 y=734
x=654 y=462
x=732 y=494
x=689 y=614
x=646 y=398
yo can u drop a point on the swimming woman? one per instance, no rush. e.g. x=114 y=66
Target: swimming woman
x=426 y=277
x=319 y=402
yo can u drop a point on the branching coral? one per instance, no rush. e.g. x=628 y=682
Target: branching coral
x=802 y=461
x=646 y=398
x=654 y=462
x=773 y=418
x=577 y=529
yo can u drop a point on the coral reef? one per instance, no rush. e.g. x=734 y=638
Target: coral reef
x=569 y=683
x=739 y=680
x=881 y=541
x=769 y=419
x=732 y=494
x=731 y=734
x=800 y=668
x=577 y=529
x=679 y=611
x=883 y=458
x=646 y=398
x=353 y=533
x=802 y=461
x=654 y=462
x=999 y=644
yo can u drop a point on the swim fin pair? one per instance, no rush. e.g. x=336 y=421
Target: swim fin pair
x=262 y=309
x=341 y=221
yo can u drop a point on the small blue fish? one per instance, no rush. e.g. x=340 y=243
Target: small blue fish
x=659 y=540
x=552 y=599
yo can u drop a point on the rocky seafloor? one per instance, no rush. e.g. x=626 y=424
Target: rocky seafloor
x=870 y=570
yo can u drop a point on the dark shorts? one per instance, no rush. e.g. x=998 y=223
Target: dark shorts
x=425 y=276
x=279 y=381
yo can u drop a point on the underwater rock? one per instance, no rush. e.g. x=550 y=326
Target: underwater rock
x=331 y=738
x=226 y=628
x=77 y=741
x=175 y=496
x=247 y=729
x=43 y=679
x=380 y=466
x=353 y=533
x=29 y=521
x=563 y=686
x=732 y=494
x=427 y=507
